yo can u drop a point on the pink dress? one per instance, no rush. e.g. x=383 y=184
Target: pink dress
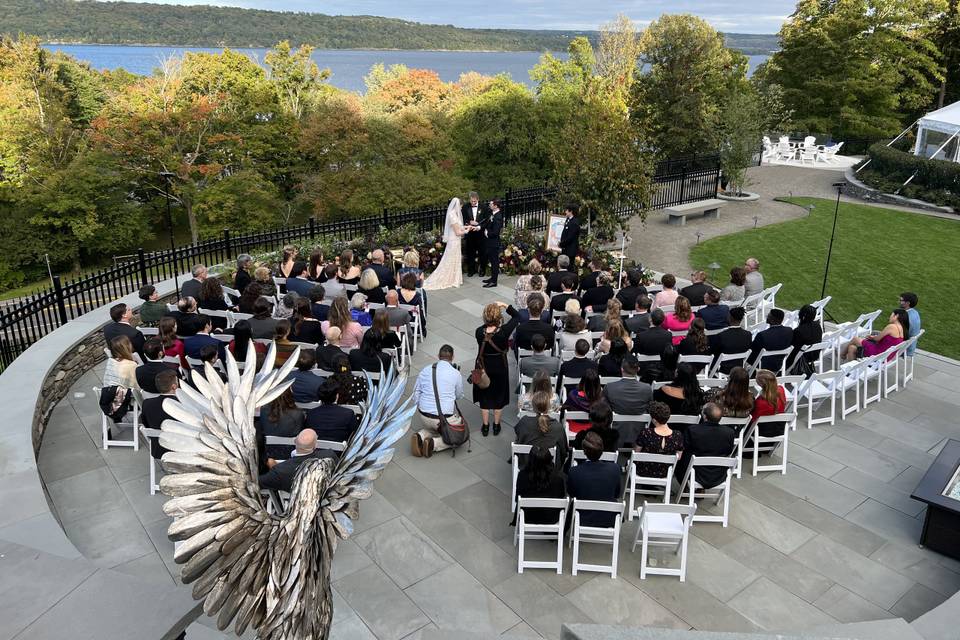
x=871 y=348
x=671 y=323
x=664 y=298
x=351 y=336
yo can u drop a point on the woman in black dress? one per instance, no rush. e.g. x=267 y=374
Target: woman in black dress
x=683 y=395
x=493 y=338
x=658 y=438
x=540 y=478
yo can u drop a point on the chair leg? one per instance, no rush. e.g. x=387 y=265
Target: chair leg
x=153 y=476
x=575 y=539
x=636 y=537
x=520 y=553
x=643 y=553
x=560 y=551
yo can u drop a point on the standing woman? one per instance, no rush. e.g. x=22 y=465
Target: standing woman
x=315 y=269
x=349 y=273
x=286 y=264
x=493 y=338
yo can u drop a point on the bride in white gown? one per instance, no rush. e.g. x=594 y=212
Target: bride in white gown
x=449 y=273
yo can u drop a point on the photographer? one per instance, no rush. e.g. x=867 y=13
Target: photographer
x=449 y=387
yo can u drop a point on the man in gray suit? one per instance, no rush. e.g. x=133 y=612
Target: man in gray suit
x=628 y=396
x=191 y=288
x=639 y=321
x=398 y=317
x=539 y=361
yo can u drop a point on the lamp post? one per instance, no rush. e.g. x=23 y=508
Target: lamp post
x=836 y=214
x=167 y=176
x=713 y=266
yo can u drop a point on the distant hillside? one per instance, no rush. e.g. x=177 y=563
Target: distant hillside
x=90 y=22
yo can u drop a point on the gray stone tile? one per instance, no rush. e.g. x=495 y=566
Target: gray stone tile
x=847 y=606
x=865 y=577
x=879 y=491
x=351 y=629
x=546 y=550
x=813 y=462
x=348 y=559
x=441 y=475
x=771 y=607
x=485 y=507
x=855 y=433
x=619 y=603
x=767 y=525
x=818 y=490
x=149 y=567
x=341 y=610
x=382 y=606
x=494 y=469
x=764 y=492
x=453 y=599
x=909 y=455
x=402 y=551
x=522 y=630
x=41 y=532
x=149 y=508
x=22 y=497
x=916 y=602
x=422 y=632
x=715 y=572
x=908 y=480
x=539 y=605
x=808 y=437
x=127 y=464
x=475 y=552
x=110 y=538
x=409 y=497
x=779 y=568
x=899 y=430
x=921 y=565
x=837 y=529
x=87 y=494
x=886 y=522
x=860 y=458
x=67 y=456
x=691 y=604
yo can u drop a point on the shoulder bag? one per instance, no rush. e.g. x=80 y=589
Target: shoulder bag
x=454 y=431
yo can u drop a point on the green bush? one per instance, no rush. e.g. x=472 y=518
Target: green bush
x=898 y=166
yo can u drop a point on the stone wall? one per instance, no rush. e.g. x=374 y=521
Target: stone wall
x=857 y=189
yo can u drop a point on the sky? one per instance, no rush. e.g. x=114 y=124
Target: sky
x=743 y=16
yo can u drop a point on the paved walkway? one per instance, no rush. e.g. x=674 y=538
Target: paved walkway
x=832 y=540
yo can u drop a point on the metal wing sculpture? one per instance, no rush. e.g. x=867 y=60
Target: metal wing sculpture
x=268 y=572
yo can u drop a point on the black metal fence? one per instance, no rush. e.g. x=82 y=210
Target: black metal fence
x=27 y=319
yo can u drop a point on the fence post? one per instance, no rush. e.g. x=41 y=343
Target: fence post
x=313 y=227
x=384 y=216
x=142 y=261
x=507 y=213
x=683 y=181
x=228 y=253
x=61 y=303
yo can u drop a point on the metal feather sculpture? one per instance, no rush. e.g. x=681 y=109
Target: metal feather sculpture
x=268 y=572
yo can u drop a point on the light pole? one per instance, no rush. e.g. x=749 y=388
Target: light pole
x=836 y=214
x=167 y=176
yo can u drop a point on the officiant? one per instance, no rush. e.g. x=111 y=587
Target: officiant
x=474 y=247
x=570 y=237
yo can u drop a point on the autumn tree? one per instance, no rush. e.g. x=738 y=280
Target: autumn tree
x=295 y=77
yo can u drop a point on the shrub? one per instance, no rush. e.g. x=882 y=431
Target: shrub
x=932 y=175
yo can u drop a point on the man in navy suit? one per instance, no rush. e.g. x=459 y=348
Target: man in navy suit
x=384 y=273
x=299 y=284
x=570 y=237
x=193 y=344
x=281 y=474
x=330 y=420
x=777 y=337
x=492 y=227
x=595 y=479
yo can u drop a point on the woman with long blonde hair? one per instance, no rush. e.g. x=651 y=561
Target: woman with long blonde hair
x=351 y=333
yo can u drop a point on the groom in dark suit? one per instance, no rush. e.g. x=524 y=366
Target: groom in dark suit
x=473 y=245
x=492 y=227
x=570 y=238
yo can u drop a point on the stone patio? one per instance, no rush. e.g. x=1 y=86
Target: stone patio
x=832 y=541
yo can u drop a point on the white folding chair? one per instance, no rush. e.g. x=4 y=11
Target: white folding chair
x=147 y=434
x=851 y=380
x=573 y=416
x=814 y=391
x=908 y=359
x=524 y=531
x=171 y=307
x=872 y=372
x=739 y=358
x=819 y=306
x=703 y=361
x=226 y=315
x=579 y=456
x=132 y=420
x=819 y=349
x=229 y=291
x=517 y=450
x=596 y=535
x=693 y=490
x=864 y=323
x=891 y=368
x=768 y=444
x=664 y=525
x=149 y=331
x=780 y=369
x=414 y=312
x=753 y=305
x=282 y=441
x=791 y=387
x=768 y=301
x=644 y=485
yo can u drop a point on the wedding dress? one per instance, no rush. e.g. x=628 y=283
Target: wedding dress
x=449 y=273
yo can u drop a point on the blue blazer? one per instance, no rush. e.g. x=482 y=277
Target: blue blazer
x=595 y=481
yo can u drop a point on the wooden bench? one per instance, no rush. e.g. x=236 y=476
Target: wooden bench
x=709 y=208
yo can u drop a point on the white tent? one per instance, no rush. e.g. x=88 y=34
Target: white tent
x=938 y=134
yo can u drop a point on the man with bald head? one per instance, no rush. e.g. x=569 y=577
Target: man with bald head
x=384 y=272
x=281 y=474
x=754 y=283
x=398 y=317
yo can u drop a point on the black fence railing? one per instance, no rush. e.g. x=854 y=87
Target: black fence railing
x=27 y=319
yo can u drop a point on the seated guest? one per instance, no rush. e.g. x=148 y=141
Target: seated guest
x=152 y=309
x=381 y=324
x=326 y=353
x=695 y=344
x=663 y=370
x=264 y=281
x=191 y=288
x=735 y=399
x=595 y=479
x=306 y=383
x=908 y=302
x=534 y=326
x=172 y=345
x=629 y=294
x=609 y=363
x=735 y=291
x=351 y=333
x=753 y=282
x=734 y=340
x=559 y=300
x=193 y=344
x=119 y=325
x=683 y=395
x=411 y=265
x=640 y=320
x=409 y=295
x=542 y=429
x=243 y=340
x=121 y=368
x=658 y=439
x=300 y=282
x=281 y=418
x=152 y=414
x=554 y=279
x=596 y=298
x=332 y=286
x=614 y=331
x=540 y=478
x=349 y=272
x=592 y=279
x=574 y=328
x=281 y=475
x=654 y=340
x=679 y=319
x=536 y=286
x=243 y=278
x=358 y=310
x=898 y=327
x=251 y=294
x=318 y=308
x=774 y=338
x=397 y=317
x=709 y=439
x=808 y=332
x=152 y=365
x=384 y=273
x=285 y=346
x=304 y=327
x=534 y=268
x=588 y=392
x=668 y=295
x=540 y=360
x=697 y=291
x=572 y=370
x=540 y=382
x=263 y=324
x=330 y=420
x=601 y=424
x=208 y=354
x=369 y=356
x=449 y=387
x=771 y=401
x=714 y=314
x=211 y=298
x=353 y=389
x=370 y=286
x=612 y=313
x=284 y=310
x=628 y=396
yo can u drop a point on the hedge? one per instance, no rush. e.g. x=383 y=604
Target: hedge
x=898 y=166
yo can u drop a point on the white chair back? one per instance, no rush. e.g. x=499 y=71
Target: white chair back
x=553 y=531
x=691 y=489
x=648 y=485
x=596 y=535
x=664 y=525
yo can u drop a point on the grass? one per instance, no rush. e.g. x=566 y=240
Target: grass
x=877 y=254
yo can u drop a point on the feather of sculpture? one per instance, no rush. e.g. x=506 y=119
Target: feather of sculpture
x=250 y=567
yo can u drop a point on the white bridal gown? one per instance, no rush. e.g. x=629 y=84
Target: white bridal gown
x=449 y=273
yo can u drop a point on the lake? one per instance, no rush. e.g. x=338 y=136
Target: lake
x=348 y=66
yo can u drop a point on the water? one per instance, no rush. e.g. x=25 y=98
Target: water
x=348 y=67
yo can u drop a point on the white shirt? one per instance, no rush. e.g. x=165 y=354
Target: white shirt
x=449 y=388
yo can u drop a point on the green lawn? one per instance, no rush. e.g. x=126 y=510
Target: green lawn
x=877 y=253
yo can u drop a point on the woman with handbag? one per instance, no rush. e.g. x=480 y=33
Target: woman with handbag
x=491 y=373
